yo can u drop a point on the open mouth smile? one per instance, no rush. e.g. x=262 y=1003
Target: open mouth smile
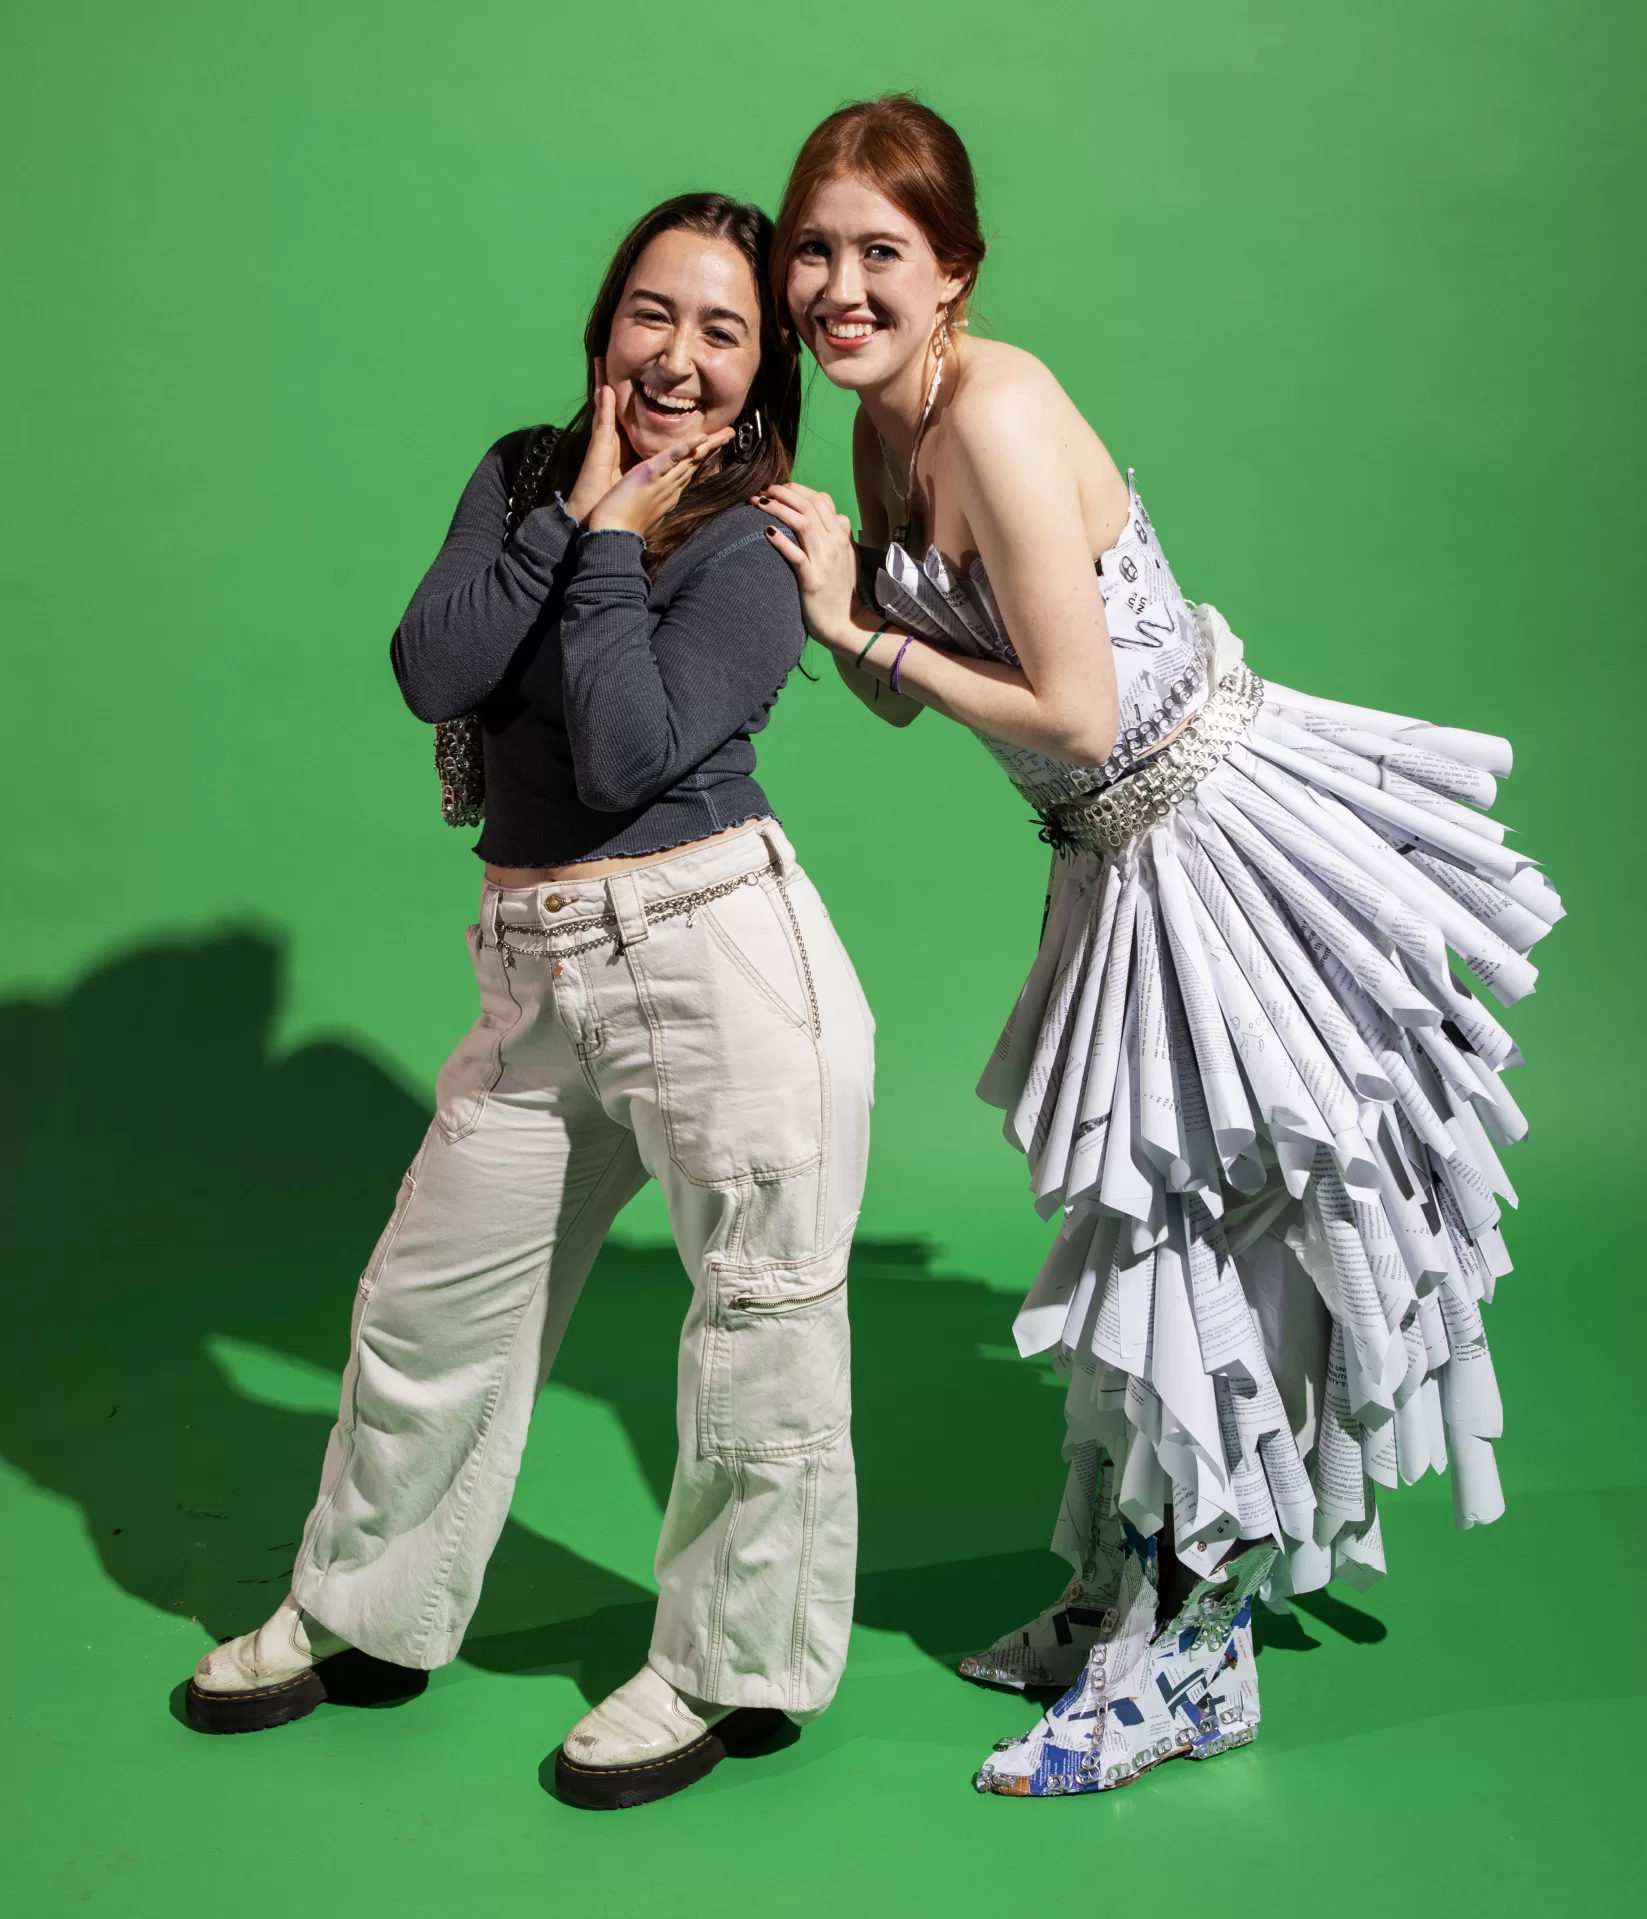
x=664 y=406
x=848 y=335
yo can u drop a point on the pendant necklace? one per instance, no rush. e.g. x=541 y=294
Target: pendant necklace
x=900 y=533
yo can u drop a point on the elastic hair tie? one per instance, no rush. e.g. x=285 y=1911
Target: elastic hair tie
x=864 y=655
x=898 y=663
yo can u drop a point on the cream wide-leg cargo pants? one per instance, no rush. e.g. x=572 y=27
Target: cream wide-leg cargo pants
x=698 y=1021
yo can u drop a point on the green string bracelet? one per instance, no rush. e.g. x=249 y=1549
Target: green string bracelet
x=864 y=655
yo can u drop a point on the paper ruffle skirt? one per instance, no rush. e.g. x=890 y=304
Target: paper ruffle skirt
x=1244 y=1071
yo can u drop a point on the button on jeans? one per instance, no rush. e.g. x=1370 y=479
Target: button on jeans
x=696 y=1021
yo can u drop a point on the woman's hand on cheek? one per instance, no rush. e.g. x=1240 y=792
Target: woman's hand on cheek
x=603 y=463
x=826 y=567
x=647 y=491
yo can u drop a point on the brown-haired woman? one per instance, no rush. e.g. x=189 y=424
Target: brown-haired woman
x=1241 y=1067
x=661 y=996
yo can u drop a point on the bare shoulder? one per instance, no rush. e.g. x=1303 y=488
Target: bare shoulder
x=1023 y=447
x=1007 y=400
x=991 y=364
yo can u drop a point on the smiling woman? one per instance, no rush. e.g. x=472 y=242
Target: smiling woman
x=661 y=995
x=876 y=252
x=1243 y=1070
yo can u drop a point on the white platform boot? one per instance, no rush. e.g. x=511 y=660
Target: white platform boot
x=263 y=1678
x=281 y=1672
x=646 y=1741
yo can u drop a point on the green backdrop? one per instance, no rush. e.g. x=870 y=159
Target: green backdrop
x=1357 y=291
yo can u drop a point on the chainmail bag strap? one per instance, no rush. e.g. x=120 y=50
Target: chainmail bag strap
x=458 y=758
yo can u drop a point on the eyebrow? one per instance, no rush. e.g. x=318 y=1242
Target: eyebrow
x=711 y=313
x=861 y=239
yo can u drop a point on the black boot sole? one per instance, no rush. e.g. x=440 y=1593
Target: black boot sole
x=347 y=1678
x=615 y=1788
x=255 y=1711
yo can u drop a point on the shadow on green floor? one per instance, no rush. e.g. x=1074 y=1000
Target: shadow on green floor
x=167 y=1183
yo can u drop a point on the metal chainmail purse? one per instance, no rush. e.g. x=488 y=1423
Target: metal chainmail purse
x=459 y=763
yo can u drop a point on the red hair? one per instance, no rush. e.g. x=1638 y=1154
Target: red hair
x=907 y=152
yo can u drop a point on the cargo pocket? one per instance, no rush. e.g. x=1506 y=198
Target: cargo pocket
x=741 y=1076
x=763 y=940
x=777 y=1377
x=467 y=1079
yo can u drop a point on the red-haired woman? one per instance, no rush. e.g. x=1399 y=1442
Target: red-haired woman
x=661 y=996
x=1241 y=1069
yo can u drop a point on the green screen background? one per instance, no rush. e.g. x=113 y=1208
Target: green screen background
x=1357 y=292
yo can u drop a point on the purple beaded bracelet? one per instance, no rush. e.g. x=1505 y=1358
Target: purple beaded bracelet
x=898 y=662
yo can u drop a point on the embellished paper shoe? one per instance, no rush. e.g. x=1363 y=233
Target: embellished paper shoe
x=1048 y=1654
x=1187 y=1692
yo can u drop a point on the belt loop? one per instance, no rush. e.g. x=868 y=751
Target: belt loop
x=492 y=918
x=624 y=895
x=784 y=868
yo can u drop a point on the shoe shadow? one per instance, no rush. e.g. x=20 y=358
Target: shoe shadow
x=1348 y=1621
x=1280 y=1632
x=172 y=1190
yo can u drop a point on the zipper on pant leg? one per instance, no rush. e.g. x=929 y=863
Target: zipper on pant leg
x=783 y=1302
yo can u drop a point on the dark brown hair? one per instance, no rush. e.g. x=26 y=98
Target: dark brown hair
x=913 y=156
x=776 y=389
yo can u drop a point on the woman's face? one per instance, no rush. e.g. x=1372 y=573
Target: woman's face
x=865 y=289
x=685 y=342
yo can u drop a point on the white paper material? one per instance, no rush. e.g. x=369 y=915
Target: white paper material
x=1272 y=1115
x=1050 y=1161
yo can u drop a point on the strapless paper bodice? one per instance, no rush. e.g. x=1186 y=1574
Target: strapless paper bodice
x=1160 y=659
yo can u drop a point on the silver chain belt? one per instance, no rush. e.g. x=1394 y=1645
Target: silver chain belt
x=603 y=928
x=1116 y=816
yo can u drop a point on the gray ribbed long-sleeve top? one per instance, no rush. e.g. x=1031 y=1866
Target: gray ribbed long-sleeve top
x=616 y=709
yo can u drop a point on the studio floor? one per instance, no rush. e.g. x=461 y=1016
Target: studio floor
x=1459 y=1739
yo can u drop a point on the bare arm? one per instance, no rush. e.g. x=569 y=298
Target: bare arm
x=897 y=709
x=1017 y=483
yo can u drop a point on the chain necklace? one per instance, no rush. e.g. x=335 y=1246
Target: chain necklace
x=900 y=533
